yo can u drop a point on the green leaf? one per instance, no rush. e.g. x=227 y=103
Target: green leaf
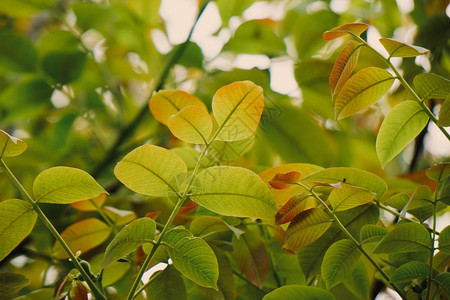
x=237 y=108
x=444 y=113
x=358 y=282
x=82 y=236
x=439 y=172
x=343 y=30
x=444 y=240
x=192 y=124
x=348 y=197
x=443 y=279
x=250 y=254
x=63 y=185
x=399 y=49
x=344 y=66
x=409 y=271
x=402 y=124
x=167 y=284
x=151 y=170
x=233 y=191
x=17 y=220
x=11 y=146
x=339 y=262
x=299 y=292
x=64 y=67
x=11 y=284
x=420 y=205
x=39 y=294
x=372 y=233
x=206 y=225
x=431 y=86
x=306 y=227
x=405 y=237
x=133 y=235
x=192 y=257
x=17 y=54
x=398 y=201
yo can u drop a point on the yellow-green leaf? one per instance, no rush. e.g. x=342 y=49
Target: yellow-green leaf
x=439 y=171
x=90 y=204
x=63 y=185
x=151 y=170
x=399 y=49
x=412 y=270
x=361 y=91
x=431 y=86
x=17 y=219
x=402 y=124
x=303 y=292
x=405 y=237
x=344 y=66
x=343 y=30
x=444 y=113
x=192 y=124
x=11 y=146
x=237 y=108
x=82 y=236
x=347 y=197
x=372 y=233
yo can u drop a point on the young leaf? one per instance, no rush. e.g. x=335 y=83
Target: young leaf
x=192 y=124
x=399 y=49
x=237 y=108
x=11 y=146
x=431 y=86
x=17 y=219
x=62 y=185
x=251 y=256
x=344 y=66
x=339 y=262
x=192 y=257
x=306 y=228
x=283 y=181
x=410 y=271
x=343 y=30
x=90 y=204
x=402 y=124
x=233 y=191
x=82 y=236
x=444 y=240
x=406 y=237
x=133 y=235
x=167 y=284
x=290 y=209
x=11 y=284
x=150 y=170
x=361 y=91
x=372 y=233
x=444 y=113
x=348 y=197
x=299 y=292
x=165 y=104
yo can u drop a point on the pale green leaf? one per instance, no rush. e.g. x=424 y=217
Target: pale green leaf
x=192 y=257
x=399 y=49
x=133 y=235
x=233 y=191
x=63 y=185
x=405 y=237
x=167 y=284
x=402 y=124
x=343 y=30
x=17 y=219
x=431 y=86
x=409 y=271
x=11 y=146
x=344 y=66
x=303 y=292
x=192 y=124
x=372 y=233
x=347 y=197
x=444 y=240
x=11 y=284
x=444 y=113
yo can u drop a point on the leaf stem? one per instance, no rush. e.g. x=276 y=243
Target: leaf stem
x=433 y=238
x=92 y=285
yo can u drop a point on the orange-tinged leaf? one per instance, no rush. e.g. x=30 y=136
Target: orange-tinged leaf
x=356 y=28
x=344 y=66
x=399 y=49
x=283 y=181
x=153 y=215
x=361 y=91
x=237 y=108
x=164 y=104
x=290 y=209
x=348 y=197
x=82 y=236
x=192 y=124
x=90 y=204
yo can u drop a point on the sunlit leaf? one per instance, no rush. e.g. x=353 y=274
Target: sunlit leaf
x=410 y=271
x=11 y=284
x=63 y=185
x=399 y=49
x=17 y=219
x=402 y=124
x=17 y=54
x=439 y=171
x=361 y=91
x=82 y=236
x=150 y=170
x=444 y=240
x=133 y=235
x=347 y=197
x=167 y=284
x=372 y=233
x=11 y=146
x=339 y=262
x=284 y=181
x=192 y=257
x=406 y=237
x=237 y=108
x=290 y=209
x=344 y=66
x=306 y=227
x=299 y=292
x=444 y=113
x=192 y=124
x=233 y=191
x=90 y=204
x=431 y=86
x=343 y=30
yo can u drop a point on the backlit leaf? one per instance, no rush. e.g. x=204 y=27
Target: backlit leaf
x=11 y=284
x=133 y=235
x=165 y=104
x=233 y=191
x=192 y=124
x=431 y=86
x=444 y=113
x=167 y=284
x=11 y=146
x=17 y=219
x=192 y=257
x=355 y=28
x=402 y=124
x=150 y=170
x=399 y=49
x=306 y=227
x=82 y=236
x=372 y=233
x=63 y=185
x=344 y=66
x=90 y=204
x=17 y=54
x=444 y=240
x=290 y=209
x=347 y=197
x=409 y=271
x=284 y=181
x=237 y=108
x=406 y=237
x=361 y=91
x=299 y=292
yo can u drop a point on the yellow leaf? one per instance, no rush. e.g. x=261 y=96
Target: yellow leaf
x=192 y=124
